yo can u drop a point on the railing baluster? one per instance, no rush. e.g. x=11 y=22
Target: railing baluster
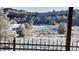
x=72 y=46
x=48 y=44
x=19 y=45
x=36 y=45
x=14 y=44
x=28 y=45
x=4 y=44
x=57 y=45
x=76 y=44
x=44 y=46
x=40 y=44
x=32 y=44
x=61 y=46
x=53 y=45
x=24 y=44
x=9 y=45
x=0 y=44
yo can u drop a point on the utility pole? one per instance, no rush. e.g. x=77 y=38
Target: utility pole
x=69 y=28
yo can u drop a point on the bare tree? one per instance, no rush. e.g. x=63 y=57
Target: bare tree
x=4 y=26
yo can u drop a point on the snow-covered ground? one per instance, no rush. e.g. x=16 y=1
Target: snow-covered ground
x=46 y=33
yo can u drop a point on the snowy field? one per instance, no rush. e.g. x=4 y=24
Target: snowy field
x=46 y=33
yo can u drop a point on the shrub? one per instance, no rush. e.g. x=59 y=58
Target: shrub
x=62 y=28
x=21 y=31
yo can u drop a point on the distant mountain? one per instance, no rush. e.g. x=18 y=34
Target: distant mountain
x=23 y=16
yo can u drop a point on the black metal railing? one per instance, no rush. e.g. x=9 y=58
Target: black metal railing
x=34 y=45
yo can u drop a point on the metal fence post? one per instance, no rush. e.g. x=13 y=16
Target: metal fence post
x=69 y=27
x=14 y=44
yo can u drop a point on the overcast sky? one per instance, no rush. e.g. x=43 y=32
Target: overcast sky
x=42 y=9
